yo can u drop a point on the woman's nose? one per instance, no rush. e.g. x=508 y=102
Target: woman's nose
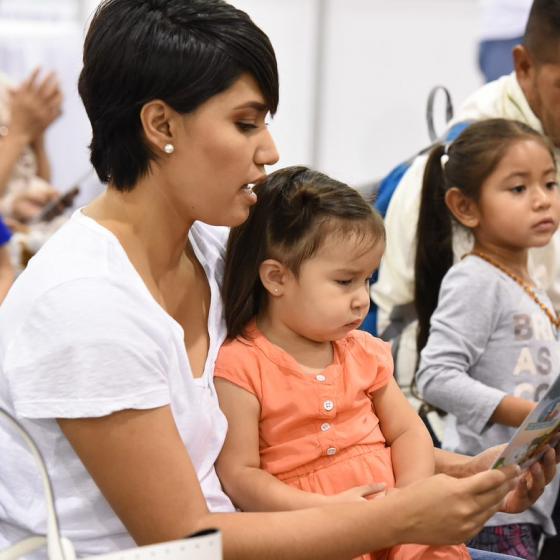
x=266 y=154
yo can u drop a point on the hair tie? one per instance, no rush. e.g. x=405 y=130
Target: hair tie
x=444 y=159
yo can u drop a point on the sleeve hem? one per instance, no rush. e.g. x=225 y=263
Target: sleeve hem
x=53 y=408
x=480 y=421
x=235 y=380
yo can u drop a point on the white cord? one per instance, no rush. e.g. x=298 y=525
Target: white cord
x=56 y=549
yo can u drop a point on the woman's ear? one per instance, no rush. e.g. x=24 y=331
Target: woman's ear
x=464 y=209
x=157 y=120
x=273 y=275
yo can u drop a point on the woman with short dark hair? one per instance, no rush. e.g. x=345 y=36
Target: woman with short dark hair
x=108 y=339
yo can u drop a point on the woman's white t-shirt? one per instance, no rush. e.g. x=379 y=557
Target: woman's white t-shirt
x=81 y=336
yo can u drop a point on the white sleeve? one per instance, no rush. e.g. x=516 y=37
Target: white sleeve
x=544 y=267
x=86 y=349
x=395 y=285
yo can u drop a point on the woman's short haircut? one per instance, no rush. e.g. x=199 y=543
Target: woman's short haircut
x=180 y=51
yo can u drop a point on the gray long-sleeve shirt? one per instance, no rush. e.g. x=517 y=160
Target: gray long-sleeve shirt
x=488 y=338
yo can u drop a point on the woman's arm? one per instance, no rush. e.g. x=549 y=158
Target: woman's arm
x=140 y=464
x=405 y=433
x=527 y=491
x=238 y=466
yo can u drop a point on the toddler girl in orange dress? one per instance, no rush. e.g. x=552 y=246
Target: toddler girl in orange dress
x=315 y=416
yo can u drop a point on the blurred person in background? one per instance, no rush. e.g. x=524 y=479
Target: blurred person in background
x=501 y=29
x=530 y=94
x=26 y=111
x=6 y=268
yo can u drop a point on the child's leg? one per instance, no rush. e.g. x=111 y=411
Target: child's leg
x=517 y=539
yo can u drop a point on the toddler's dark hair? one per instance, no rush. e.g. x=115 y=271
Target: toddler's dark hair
x=297 y=209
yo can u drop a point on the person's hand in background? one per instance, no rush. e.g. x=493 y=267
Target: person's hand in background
x=27 y=205
x=35 y=104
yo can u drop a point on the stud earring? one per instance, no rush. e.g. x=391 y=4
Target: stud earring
x=169 y=148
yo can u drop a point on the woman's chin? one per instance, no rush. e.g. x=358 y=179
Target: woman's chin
x=231 y=219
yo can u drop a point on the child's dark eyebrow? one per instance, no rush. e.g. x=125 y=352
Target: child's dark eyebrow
x=525 y=174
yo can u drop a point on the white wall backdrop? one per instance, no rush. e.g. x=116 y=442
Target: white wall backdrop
x=381 y=60
x=378 y=61
x=354 y=76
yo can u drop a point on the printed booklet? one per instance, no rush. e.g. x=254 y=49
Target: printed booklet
x=528 y=443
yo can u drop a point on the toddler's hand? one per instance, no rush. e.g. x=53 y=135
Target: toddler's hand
x=359 y=493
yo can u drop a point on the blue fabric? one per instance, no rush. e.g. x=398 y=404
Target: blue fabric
x=390 y=182
x=456 y=130
x=495 y=57
x=370 y=322
x=485 y=555
x=385 y=192
x=387 y=187
x=5 y=233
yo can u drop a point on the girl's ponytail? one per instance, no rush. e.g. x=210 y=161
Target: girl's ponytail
x=434 y=252
x=466 y=165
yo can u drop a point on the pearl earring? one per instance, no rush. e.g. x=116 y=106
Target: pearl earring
x=169 y=148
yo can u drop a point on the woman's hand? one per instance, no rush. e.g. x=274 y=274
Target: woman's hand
x=530 y=485
x=446 y=510
x=34 y=106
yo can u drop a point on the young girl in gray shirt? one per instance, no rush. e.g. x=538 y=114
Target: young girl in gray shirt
x=487 y=332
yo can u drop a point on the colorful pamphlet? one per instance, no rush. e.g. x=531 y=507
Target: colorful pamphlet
x=530 y=440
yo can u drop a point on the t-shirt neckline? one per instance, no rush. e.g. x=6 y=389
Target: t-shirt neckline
x=89 y=222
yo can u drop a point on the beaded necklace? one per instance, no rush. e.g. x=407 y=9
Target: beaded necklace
x=551 y=316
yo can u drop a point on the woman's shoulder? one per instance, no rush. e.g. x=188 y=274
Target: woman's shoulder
x=80 y=276
x=81 y=247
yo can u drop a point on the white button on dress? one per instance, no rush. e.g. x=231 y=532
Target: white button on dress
x=331 y=451
x=328 y=405
x=320 y=377
x=325 y=427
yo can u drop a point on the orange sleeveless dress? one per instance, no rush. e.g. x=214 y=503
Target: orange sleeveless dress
x=319 y=432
